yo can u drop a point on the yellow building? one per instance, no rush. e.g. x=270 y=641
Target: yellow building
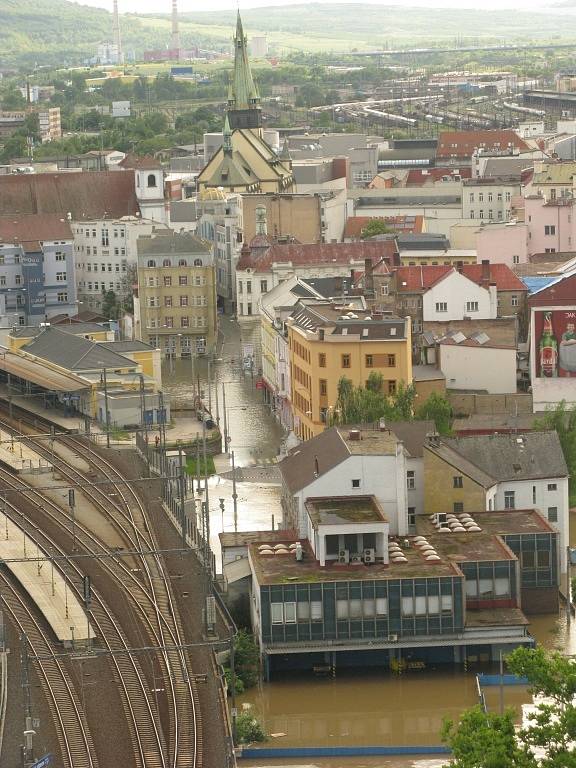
x=327 y=343
x=19 y=336
x=176 y=306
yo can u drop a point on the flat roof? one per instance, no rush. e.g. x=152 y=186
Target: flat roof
x=470 y=547
x=496 y=617
x=371 y=441
x=285 y=569
x=505 y=522
x=243 y=538
x=340 y=510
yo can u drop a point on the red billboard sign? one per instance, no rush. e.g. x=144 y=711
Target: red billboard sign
x=555 y=349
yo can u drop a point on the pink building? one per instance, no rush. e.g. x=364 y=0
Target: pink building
x=551 y=224
x=503 y=243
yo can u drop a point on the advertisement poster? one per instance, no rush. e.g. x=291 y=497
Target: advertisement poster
x=555 y=333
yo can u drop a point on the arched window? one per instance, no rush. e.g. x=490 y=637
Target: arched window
x=182 y=263
x=166 y=263
x=151 y=263
x=151 y=179
x=197 y=262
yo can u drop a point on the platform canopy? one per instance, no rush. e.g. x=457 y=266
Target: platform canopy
x=38 y=373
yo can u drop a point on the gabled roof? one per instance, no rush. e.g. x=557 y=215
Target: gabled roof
x=420 y=177
x=74 y=352
x=20 y=228
x=464 y=143
x=422 y=278
x=300 y=254
x=298 y=469
x=490 y=459
x=500 y=275
x=86 y=195
x=140 y=162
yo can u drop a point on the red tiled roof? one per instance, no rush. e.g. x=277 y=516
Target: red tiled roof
x=18 y=228
x=467 y=141
x=418 y=177
x=140 y=162
x=87 y=195
x=422 y=278
x=412 y=224
x=316 y=253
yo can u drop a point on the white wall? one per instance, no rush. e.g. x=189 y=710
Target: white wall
x=480 y=368
x=456 y=290
x=548 y=392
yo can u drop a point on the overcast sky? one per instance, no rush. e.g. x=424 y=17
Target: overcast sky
x=156 y=6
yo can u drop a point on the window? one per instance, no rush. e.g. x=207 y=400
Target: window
x=323 y=387
x=182 y=280
x=550 y=229
x=277 y=611
x=392 y=387
x=552 y=487
x=263 y=286
x=381 y=606
x=169 y=322
x=391 y=361
x=249 y=308
x=62 y=297
x=471 y=214
x=60 y=277
x=316 y=610
x=489 y=197
x=2 y=279
x=182 y=263
x=166 y=263
x=60 y=256
x=384 y=290
x=411 y=517
x=533 y=494
x=18 y=279
x=458 y=507
x=410 y=480
x=167 y=301
x=481 y=213
x=248 y=286
x=458 y=481
x=490 y=214
x=150 y=263
x=197 y=262
x=441 y=306
x=183 y=301
x=553 y=514
x=509 y=500
x=345 y=361
x=471 y=306
x=481 y=197
x=184 y=322
x=322 y=360
x=105 y=237
x=356 y=483
x=369 y=361
x=290 y=613
x=151 y=181
x=508 y=196
x=471 y=197
x=514 y=301
x=167 y=281
x=499 y=197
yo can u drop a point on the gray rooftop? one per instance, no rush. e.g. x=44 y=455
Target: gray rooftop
x=74 y=352
x=126 y=346
x=166 y=241
x=497 y=458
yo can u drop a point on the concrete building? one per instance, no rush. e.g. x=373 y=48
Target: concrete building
x=459 y=147
x=499 y=472
x=476 y=364
x=37 y=272
x=503 y=243
x=361 y=153
x=176 y=305
x=326 y=343
x=321 y=174
x=49 y=124
x=489 y=198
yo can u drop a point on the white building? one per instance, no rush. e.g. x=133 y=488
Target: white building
x=477 y=364
x=385 y=463
x=454 y=297
x=489 y=199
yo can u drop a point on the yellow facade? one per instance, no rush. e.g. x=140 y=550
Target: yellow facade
x=442 y=258
x=443 y=488
x=316 y=367
x=17 y=342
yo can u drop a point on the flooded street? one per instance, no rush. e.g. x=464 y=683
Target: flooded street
x=355 y=708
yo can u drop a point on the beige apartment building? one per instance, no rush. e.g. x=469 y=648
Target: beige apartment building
x=175 y=309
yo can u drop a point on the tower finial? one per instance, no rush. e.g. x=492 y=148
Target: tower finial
x=243 y=96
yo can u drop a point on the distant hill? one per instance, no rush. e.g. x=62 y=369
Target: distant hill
x=57 y=31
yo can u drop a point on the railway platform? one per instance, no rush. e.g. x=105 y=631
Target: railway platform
x=44 y=583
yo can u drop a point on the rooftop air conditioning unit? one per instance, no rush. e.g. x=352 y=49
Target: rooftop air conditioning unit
x=344 y=556
x=392 y=638
x=356 y=559
x=369 y=555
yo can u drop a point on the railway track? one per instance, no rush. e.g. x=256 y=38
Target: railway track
x=73 y=734
x=151 y=592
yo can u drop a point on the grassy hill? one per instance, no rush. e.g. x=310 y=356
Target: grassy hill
x=57 y=31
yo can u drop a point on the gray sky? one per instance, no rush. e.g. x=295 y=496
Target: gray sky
x=155 y=6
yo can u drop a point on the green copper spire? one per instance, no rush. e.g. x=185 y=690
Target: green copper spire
x=227 y=135
x=243 y=94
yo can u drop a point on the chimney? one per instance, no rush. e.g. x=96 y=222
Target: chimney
x=175 y=39
x=485 y=270
x=368 y=276
x=298 y=551
x=117 y=35
x=354 y=434
x=320 y=334
x=261 y=221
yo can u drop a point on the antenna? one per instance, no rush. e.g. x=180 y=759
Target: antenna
x=175 y=31
x=117 y=36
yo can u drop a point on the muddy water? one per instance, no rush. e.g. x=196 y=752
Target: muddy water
x=372 y=708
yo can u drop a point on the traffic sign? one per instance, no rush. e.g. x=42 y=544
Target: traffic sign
x=43 y=762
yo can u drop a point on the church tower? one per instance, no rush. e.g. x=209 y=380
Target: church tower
x=243 y=98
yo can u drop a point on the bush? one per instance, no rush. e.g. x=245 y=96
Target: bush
x=249 y=729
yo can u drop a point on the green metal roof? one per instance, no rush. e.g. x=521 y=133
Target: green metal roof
x=243 y=93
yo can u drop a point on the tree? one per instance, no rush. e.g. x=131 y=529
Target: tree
x=563 y=420
x=249 y=729
x=437 y=409
x=488 y=740
x=375 y=227
x=247 y=659
x=110 y=308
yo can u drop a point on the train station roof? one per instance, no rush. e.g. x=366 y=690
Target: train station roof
x=38 y=373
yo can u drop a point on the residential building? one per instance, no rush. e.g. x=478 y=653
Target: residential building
x=37 y=274
x=489 y=198
x=502 y=332
x=553 y=179
x=326 y=343
x=551 y=224
x=503 y=243
x=552 y=342
x=245 y=162
x=499 y=472
x=476 y=363
x=176 y=304
x=49 y=125
x=459 y=147
x=149 y=185
x=396 y=224
x=106 y=257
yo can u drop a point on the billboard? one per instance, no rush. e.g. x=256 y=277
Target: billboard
x=555 y=347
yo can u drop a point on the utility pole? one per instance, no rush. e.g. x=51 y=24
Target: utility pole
x=29 y=733
x=106 y=408
x=209 y=391
x=234 y=495
x=182 y=488
x=225 y=418
x=233 y=688
x=71 y=504
x=162 y=420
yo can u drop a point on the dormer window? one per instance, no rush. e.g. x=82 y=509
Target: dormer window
x=151 y=182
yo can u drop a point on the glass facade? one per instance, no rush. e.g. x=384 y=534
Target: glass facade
x=538 y=556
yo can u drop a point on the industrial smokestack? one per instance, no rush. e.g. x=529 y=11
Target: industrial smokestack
x=117 y=35
x=175 y=30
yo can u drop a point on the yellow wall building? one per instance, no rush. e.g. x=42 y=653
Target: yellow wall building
x=447 y=486
x=326 y=345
